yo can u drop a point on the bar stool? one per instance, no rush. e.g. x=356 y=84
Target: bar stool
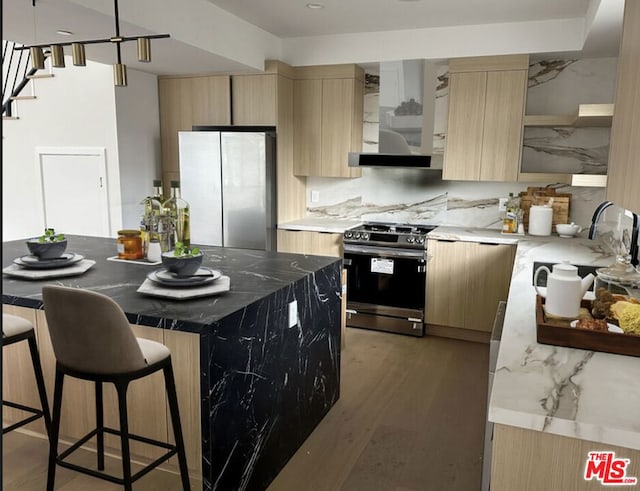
x=92 y=340
x=14 y=330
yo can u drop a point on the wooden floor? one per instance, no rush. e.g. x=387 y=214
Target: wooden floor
x=410 y=418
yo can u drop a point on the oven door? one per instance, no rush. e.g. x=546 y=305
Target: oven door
x=386 y=282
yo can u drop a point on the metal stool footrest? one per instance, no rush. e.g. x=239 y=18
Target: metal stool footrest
x=37 y=413
x=108 y=477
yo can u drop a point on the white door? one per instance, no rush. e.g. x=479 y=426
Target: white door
x=74 y=191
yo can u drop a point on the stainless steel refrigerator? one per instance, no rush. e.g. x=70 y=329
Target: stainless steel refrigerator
x=228 y=177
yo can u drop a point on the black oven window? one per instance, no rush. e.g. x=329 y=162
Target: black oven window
x=401 y=284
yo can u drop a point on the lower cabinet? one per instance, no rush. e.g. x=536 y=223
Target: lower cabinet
x=148 y=410
x=312 y=243
x=465 y=282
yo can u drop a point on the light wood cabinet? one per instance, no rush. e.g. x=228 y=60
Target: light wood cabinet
x=485 y=118
x=313 y=243
x=328 y=118
x=465 y=282
x=185 y=102
x=623 y=181
x=254 y=100
x=529 y=460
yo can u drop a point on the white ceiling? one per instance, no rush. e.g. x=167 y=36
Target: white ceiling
x=210 y=36
x=291 y=18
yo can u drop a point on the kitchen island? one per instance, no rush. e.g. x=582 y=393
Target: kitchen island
x=551 y=405
x=254 y=377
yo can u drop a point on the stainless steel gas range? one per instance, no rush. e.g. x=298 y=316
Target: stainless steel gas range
x=386 y=276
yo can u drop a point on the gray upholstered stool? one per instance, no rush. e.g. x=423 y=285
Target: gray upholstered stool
x=92 y=340
x=16 y=329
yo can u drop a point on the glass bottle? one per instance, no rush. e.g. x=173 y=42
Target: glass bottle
x=152 y=211
x=178 y=210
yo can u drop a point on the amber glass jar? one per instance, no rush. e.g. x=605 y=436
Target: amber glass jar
x=129 y=244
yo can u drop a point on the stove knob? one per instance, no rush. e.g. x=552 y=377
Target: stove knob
x=356 y=235
x=420 y=240
x=348 y=235
x=411 y=240
x=365 y=236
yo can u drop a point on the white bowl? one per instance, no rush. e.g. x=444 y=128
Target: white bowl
x=568 y=229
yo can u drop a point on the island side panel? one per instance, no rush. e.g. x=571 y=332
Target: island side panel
x=271 y=384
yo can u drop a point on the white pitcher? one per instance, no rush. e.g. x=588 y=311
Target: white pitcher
x=565 y=289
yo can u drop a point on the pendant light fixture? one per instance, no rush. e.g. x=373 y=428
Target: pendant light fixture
x=78 y=50
x=78 y=54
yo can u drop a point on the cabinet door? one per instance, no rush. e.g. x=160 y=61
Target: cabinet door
x=307 y=127
x=446 y=283
x=254 y=100
x=463 y=143
x=624 y=154
x=503 y=120
x=488 y=275
x=337 y=122
x=326 y=244
x=189 y=101
x=315 y=243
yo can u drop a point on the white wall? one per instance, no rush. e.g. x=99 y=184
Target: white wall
x=138 y=129
x=80 y=107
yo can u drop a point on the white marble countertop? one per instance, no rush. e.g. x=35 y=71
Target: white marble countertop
x=315 y=224
x=576 y=393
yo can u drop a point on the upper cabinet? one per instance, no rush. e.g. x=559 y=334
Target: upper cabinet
x=623 y=185
x=254 y=100
x=485 y=118
x=327 y=117
x=188 y=101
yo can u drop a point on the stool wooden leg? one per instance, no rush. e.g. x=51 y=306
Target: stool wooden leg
x=100 y=425
x=55 y=430
x=37 y=370
x=121 y=387
x=177 y=427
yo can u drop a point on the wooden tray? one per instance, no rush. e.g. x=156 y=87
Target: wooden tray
x=560 y=333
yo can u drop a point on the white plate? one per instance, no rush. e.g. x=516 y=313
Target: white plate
x=610 y=327
x=33 y=262
x=164 y=277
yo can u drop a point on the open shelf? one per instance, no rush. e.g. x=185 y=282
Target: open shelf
x=594 y=115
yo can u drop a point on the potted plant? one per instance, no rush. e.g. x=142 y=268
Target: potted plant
x=183 y=261
x=48 y=246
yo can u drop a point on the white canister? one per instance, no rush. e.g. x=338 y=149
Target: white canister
x=154 y=252
x=540 y=220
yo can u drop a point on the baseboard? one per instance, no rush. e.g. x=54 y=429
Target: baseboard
x=457 y=333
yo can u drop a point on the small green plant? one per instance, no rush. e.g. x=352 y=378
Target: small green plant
x=51 y=236
x=180 y=250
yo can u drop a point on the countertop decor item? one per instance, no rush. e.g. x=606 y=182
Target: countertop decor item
x=48 y=246
x=153 y=289
x=568 y=230
x=541 y=196
x=560 y=333
x=182 y=261
x=78 y=268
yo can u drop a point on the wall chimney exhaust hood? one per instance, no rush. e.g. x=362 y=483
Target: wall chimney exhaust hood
x=405 y=115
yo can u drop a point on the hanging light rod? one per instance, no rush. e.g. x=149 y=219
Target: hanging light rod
x=120 y=70
x=119 y=39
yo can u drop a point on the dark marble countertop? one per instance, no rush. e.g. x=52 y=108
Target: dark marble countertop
x=254 y=275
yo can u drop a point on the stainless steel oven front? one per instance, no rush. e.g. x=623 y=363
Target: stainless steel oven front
x=386 y=288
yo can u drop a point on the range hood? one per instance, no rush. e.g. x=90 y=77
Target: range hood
x=406 y=111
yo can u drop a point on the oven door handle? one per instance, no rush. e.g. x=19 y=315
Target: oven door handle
x=385 y=252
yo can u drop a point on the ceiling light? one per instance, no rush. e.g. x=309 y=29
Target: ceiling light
x=79 y=57
x=57 y=56
x=37 y=58
x=78 y=49
x=315 y=5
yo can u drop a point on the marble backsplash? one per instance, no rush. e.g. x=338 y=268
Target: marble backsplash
x=426 y=199
x=418 y=196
